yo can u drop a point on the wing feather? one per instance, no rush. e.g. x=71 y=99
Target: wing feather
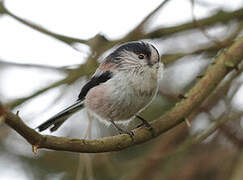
x=97 y=79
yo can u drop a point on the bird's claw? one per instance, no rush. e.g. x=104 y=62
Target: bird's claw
x=130 y=133
x=144 y=123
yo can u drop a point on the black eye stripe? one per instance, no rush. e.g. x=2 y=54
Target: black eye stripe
x=135 y=47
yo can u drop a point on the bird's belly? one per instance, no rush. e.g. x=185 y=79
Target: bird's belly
x=128 y=108
x=117 y=104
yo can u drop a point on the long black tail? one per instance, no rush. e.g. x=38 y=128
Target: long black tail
x=60 y=117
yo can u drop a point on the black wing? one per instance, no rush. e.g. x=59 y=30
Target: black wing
x=94 y=81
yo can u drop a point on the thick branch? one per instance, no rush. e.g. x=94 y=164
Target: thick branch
x=215 y=73
x=149 y=169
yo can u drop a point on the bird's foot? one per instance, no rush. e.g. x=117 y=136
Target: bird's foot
x=144 y=123
x=122 y=131
x=130 y=133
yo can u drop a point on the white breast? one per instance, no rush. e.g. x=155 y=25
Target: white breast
x=126 y=94
x=130 y=93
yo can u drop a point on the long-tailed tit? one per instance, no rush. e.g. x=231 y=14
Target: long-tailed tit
x=123 y=85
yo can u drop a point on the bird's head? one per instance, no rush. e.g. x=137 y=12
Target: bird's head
x=135 y=55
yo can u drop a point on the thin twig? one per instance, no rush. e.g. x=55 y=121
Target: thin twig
x=39 y=66
x=65 y=39
x=208 y=48
x=148 y=18
x=84 y=69
x=220 y=16
x=228 y=132
x=202 y=29
x=139 y=29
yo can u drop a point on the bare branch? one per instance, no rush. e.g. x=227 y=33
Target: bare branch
x=208 y=48
x=85 y=69
x=228 y=132
x=65 y=39
x=139 y=29
x=189 y=142
x=221 y=16
x=150 y=15
x=215 y=73
x=39 y=66
x=19 y=101
x=67 y=80
x=201 y=28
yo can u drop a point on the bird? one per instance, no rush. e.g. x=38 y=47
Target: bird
x=123 y=85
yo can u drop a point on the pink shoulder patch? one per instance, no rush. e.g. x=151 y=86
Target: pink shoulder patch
x=95 y=99
x=106 y=66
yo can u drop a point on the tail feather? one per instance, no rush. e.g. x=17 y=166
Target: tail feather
x=61 y=117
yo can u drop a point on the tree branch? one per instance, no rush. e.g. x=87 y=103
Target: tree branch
x=229 y=134
x=227 y=61
x=158 y=157
x=65 y=39
x=208 y=47
x=221 y=16
x=27 y=65
x=138 y=31
x=84 y=69
x=19 y=101
x=201 y=28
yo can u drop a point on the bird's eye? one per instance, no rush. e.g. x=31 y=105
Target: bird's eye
x=141 y=56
